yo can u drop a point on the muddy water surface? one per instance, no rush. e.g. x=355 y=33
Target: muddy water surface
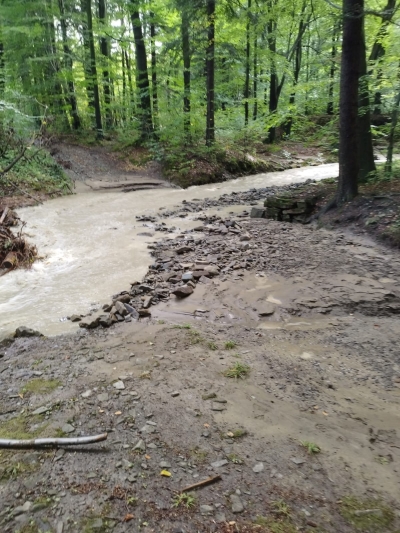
x=92 y=248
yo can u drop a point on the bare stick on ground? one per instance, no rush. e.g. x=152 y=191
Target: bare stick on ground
x=32 y=443
x=203 y=483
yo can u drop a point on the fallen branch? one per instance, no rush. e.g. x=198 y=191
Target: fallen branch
x=203 y=483
x=3 y=216
x=33 y=443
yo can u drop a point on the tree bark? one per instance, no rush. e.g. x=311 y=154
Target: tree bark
x=86 y=61
x=71 y=98
x=247 y=76
x=185 y=22
x=255 y=78
x=348 y=150
x=364 y=135
x=146 y=120
x=93 y=70
x=154 y=88
x=2 y=71
x=273 y=80
x=395 y=118
x=105 y=52
x=210 y=68
x=332 y=70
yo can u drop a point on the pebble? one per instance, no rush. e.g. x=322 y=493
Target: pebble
x=206 y=509
x=259 y=467
x=140 y=445
x=86 y=394
x=67 y=428
x=237 y=505
x=22 y=508
x=119 y=385
x=41 y=410
x=297 y=461
x=218 y=464
x=175 y=394
x=103 y=397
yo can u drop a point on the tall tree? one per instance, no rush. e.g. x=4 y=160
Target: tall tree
x=210 y=69
x=105 y=52
x=146 y=120
x=353 y=12
x=154 y=85
x=93 y=70
x=247 y=76
x=185 y=24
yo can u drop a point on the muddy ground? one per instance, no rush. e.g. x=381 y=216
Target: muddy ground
x=309 y=315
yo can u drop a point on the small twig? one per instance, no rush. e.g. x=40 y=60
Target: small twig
x=203 y=483
x=3 y=216
x=33 y=443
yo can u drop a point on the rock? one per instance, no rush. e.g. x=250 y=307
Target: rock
x=23 y=331
x=220 y=518
x=86 y=394
x=245 y=237
x=121 y=309
x=237 y=505
x=206 y=509
x=105 y=321
x=200 y=273
x=67 y=428
x=212 y=270
x=22 y=508
x=297 y=461
x=218 y=464
x=60 y=527
x=119 y=385
x=182 y=292
x=175 y=394
x=187 y=276
x=218 y=407
x=103 y=397
x=257 y=212
x=164 y=464
x=144 y=313
x=147 y=302
x=267 y=309
x=122 y=298
x=132 y=311
x=140 y=445
x=90 y=322
x=205 y=280
x=75 y=318
x=41 y=410
x=259 y=467
x=183 y=250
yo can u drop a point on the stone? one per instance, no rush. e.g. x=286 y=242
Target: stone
x=187 y=276
x=183 y=250
x=75 y=318
x=204 y=280
x=144 y=313
x=182 y=292
x=237 y=505
x=297 y=461
x=90 y=322
x=220 y=518
x=23 y=331
x=121 y=309
x=257 y=212
x=212 y=270
x=103 y=397
x=140 y=445
x=259 y=467
x=41 y=410
x=165 y=464
x=132 y=311
x=218 y=464
x=87 y=394
x=147 y=302
x=266 y=309
x=122 y=298
x=206 y=509
x=175 y=394
x=22 y=508
x=218 y=406
x=119 y=385
x=67 y=428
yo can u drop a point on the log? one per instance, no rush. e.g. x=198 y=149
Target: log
x=10 y=260
x=203 y=483
x=33 y=443
x=3 y=216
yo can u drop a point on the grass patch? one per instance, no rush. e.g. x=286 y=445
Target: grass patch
x=199 y=455
x=311 y=447
x=369 y=516
x=275 y=526
x=182 y=326
x=32 y=527
x=238 y=370
x=235 y=459
x=230 y=345
x=19 y=427
x=195 y=337
x=40 y=386
x=16 y=469
x=184 y=500
x=281 y=508
x=211 y=345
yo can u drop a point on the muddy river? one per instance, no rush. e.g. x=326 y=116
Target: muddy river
x=91 y=248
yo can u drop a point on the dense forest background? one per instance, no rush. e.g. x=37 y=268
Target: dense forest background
x=198 y=72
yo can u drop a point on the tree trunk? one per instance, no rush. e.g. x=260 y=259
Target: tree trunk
x=86 y=62
x=154 y=88
x=348 y=152
x=364 y=136
x=146 y=121
x=255 y=79
x=129 y=72
x=210 y=68
x=332 y=71
x=296 y=72
x=105 y=52
x=395 y=118
x=273 y=80
x=93 y=70
x=247 y=76
x=71 y=98
x=2 y=71
x=186 y=69
x=378 y=49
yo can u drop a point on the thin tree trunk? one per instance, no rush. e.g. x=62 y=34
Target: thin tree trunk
x=210 y=68
x=186 y=69
x=105 y=52
x=247 y=77
x=71 y=98
x=332 y=71
x=395 y=118
x=255 y=79
x=296 y=72
x=86 y=62
x=364 y=136
x=348 y=150
x=129 y=72
x=124 y=86
x=154 y=89
x=93 y=69
x=142 y=75
x=2 y=71
x=273 y=80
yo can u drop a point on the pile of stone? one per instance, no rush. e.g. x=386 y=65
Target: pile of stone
x=286 y=208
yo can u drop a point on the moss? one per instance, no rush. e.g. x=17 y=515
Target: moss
x=32 y=527
x=19 y=427
x=40 y=386
x=275 y=526
x=379 y=518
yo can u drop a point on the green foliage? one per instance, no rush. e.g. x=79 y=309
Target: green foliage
x=368 y=516
x=230 y=345
x=238 y=370
x=184 y=500
x=311 y=447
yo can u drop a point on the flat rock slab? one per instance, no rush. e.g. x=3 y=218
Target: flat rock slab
x=237 y=504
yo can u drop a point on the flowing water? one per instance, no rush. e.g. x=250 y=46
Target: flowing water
x=91 y=248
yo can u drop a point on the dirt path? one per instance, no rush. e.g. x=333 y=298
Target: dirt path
x=310 y=315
